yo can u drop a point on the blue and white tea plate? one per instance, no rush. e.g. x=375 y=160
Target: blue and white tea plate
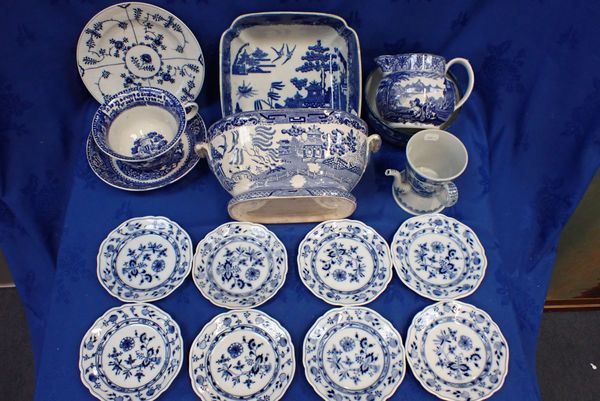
x=345 y=262
x=144 y=259
x=132 y=352
x=457 y=352
x=242 y=355
x=438 y=257
x=290 y=60
x=353 y=353
x=137 y=44
x=239 y=265
x=123 y=175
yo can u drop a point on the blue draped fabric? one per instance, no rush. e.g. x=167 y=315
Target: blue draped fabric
x=531 y=129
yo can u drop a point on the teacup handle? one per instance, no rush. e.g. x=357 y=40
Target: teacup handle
x=465 y=63
x=190 y=109
x=448 y=194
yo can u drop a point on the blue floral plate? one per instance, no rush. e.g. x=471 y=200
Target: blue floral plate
x=457 y=352
x=144 y=259
x=239 y=265
x=353 y=354
x=137 y=44
x=345 y=262
x=123 y=175
x=131 y=353
x=242 y=355
x=438 y=257
x=294 y=60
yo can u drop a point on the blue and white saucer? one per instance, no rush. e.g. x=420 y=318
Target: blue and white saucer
x=457 y=352
x=345 y=262
x=242 y=355
x=144 y=259
x=438 y=257
x=239 y=265
x=132 y=352
x=353 y=353
x=122 y=175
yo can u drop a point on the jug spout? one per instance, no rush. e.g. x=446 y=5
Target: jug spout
x=396 y=174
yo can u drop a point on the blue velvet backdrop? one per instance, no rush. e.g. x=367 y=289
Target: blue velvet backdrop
x=531 y=128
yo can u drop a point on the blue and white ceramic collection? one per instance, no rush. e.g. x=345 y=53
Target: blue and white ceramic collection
x=144 y=259
x=285 y=166
x=434 y=158
x=438 y=257
x=129 y=45
x=174 y=165
x=132 y=352
x=457 y=352
x=353 y=353
x=242 y=355
x=240 y=265
x=280 y=60
x=415 y=91
x=345 y=262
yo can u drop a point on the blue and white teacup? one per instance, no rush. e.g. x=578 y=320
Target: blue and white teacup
x=434 y=159
x=141 y=125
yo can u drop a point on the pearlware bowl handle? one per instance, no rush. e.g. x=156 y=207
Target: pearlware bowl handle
x=202 y=150
x=465 y=63
x=193 y=110
x=449 y=194
x=374 y=143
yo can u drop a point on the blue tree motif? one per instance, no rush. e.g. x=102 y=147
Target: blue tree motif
x=318 y=58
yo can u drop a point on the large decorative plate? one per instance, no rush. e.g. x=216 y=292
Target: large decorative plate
x=457 y=352
x=122 y=175
x=137 y=44
x=290 y=60
x=239 y=265
x=144 y=259
x=438 y=257
x=345 y=262
x=242 y=355
x=131 y=353
x=353 y=354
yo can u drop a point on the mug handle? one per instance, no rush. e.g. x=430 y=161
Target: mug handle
x=465 y=63
x=193 y=110
x=448 y=194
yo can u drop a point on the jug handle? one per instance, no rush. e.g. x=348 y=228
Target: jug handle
x=465 y=63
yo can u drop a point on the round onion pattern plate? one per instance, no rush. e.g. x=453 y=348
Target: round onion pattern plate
x=353 y=354
x=144 y=259
x=457 y=352
x=240 y=265
x=438 y=257
x=131 y=353
x=242 y=355
x=345 y=262
x=137 y=44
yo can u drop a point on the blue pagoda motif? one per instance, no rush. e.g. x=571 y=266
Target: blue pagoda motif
x=251 y=63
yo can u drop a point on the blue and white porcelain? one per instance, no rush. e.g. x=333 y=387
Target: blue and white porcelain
x=353 y=354
x=292 y=165
x=131 y=353
x=242 y=355
x=397 y=135
x=240 y=265
x=130 y=45
x=434 y=159
x=280 y=60
x=438 y=257
x=416 y=92
x=345 y=262
x=144 y=259
x=173 y=166
x=457 y=352
x=139 y=125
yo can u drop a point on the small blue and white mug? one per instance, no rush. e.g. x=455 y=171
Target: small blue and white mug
x=434 y=159
x=141 y=125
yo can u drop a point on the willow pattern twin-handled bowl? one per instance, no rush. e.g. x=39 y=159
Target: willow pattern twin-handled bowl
x=289 y=165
